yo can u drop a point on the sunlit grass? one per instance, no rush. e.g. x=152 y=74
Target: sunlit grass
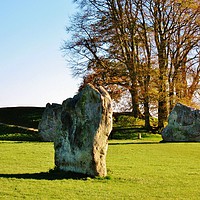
x=136 y=170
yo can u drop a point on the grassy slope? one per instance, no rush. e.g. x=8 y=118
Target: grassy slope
x=137 y=171
x=14 y=120
x=30 y=116
x=21 y=116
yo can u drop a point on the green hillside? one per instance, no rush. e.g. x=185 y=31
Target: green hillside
x=20 y=123
x=21 y=116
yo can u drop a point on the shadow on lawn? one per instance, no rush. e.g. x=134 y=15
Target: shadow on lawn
x=51 y=175
x=153 y=142
x=125 y=143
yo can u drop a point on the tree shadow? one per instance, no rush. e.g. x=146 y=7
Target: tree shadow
x=174 y=142
x=152 y=142
x=128 y=143
x=51 y=175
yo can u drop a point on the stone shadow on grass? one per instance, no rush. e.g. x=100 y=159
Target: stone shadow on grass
x=51 y=175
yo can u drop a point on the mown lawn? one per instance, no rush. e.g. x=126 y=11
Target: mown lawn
x=145 y=170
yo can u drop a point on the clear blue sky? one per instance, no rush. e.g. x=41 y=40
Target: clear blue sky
x=33 y=70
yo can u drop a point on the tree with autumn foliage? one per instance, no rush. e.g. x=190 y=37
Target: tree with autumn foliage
x=148 y=48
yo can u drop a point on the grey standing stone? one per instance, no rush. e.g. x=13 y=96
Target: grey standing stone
x=79 y=129
x=183 y=125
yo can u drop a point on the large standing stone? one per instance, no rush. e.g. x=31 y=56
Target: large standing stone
x=79 y=129
x=183 y=125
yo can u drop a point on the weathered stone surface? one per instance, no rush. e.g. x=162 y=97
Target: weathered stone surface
x=79 y=129
x=183 y=125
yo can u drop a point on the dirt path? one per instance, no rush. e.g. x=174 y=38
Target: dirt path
x=22 y=127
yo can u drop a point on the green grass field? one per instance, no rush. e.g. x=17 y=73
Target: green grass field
x=136 y=170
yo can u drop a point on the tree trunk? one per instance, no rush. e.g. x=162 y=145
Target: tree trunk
x=147 y=116
x=162 y=101
x=171 y=95
x=146 y=100
x=162 y=87
x=135 y=103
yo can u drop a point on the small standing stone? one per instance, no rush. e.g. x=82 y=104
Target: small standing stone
x=79 y=129
x=183 y=125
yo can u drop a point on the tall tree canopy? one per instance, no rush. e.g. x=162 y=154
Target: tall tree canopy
x=149 y=48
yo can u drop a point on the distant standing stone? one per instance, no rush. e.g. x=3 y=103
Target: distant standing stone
x=79 y=129
x=183 y=125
